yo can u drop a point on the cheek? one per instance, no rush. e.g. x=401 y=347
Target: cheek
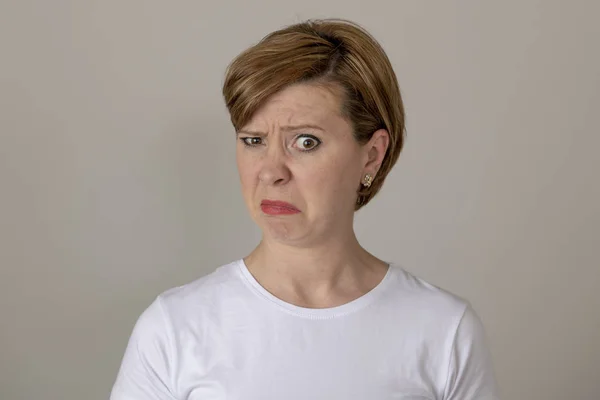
x=246 y=173
x=332 y=181
x=247 y=180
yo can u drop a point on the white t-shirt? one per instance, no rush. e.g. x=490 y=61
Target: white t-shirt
x=224 y=336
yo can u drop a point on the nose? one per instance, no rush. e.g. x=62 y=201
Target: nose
x=274 y=170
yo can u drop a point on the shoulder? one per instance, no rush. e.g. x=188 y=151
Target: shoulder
x=426 y=298
x=217 y=279
x=151 y=357
x=183 y=308
x=448 y=323
x=437 y=315
x=206 y=292
x=190 y=297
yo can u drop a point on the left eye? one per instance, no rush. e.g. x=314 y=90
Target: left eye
x=307 y=143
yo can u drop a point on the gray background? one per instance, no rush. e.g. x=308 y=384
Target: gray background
x=118 y=180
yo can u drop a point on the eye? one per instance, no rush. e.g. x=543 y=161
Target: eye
x=251 y=141
x=307 y=142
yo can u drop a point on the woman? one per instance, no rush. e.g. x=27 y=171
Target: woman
x=309 y=314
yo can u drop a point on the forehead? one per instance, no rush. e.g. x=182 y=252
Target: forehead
x=300 y=104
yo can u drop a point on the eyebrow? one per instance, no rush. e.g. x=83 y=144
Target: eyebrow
x=286 y=128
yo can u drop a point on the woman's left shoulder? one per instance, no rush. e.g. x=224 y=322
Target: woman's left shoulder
x=427 y=298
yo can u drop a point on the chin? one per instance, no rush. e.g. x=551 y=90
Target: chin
x=283 y=231
x=277 y=229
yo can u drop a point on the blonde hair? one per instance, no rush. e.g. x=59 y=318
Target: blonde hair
x=331 y=52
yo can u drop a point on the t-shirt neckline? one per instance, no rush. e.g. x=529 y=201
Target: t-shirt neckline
x=317 y=313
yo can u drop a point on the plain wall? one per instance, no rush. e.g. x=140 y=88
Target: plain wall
x=118 y=179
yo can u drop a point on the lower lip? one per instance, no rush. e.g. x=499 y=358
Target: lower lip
x=276 y=210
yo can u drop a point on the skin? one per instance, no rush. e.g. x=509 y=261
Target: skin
x=312 y=258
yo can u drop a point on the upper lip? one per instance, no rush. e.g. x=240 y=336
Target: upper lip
x=277 y=203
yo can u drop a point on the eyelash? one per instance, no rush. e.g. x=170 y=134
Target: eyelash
x=304 y=135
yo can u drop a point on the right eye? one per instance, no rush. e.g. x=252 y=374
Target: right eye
x=251 y=141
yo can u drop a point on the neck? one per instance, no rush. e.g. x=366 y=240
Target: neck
x=317 y=272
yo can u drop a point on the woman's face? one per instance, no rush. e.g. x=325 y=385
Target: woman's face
x=298 y=149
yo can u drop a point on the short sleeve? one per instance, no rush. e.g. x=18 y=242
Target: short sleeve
x=470 y=370
x=146 y=369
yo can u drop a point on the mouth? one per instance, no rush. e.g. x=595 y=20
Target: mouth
x=274 y=207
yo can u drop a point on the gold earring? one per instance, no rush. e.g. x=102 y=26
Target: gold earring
x=367 y=181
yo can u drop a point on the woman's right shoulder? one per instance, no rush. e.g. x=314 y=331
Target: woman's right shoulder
x=152 y=349
x=203 y=291
x=197 y=298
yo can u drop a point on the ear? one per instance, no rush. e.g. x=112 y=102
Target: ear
x=375 y=150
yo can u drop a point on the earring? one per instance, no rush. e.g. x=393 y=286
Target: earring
x=367 y=181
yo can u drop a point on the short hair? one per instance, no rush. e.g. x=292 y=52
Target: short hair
x=335 y=53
